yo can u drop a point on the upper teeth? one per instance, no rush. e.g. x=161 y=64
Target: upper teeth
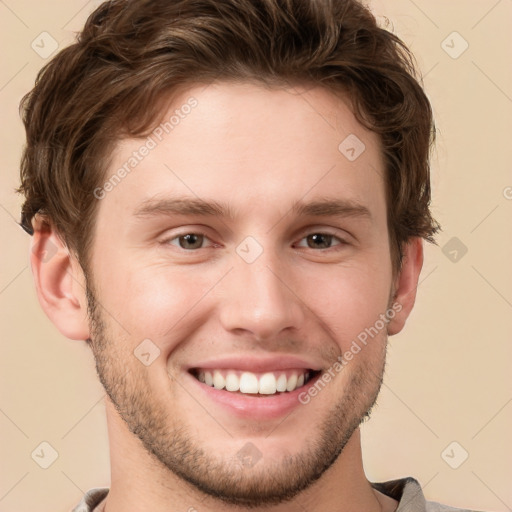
x=248 y=382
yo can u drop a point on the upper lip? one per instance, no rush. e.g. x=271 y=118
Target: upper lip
x=257 y=364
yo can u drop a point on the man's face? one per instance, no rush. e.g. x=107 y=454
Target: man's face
x=272 y=286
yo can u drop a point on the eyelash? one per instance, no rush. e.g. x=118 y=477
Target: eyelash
x=341 y=242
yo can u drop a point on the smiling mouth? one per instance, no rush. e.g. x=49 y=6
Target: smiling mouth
x=254 y=384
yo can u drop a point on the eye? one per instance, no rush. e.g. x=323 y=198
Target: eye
x=188 y=241
x=321 y=241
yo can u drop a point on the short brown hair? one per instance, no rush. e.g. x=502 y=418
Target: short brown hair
x=132 y=54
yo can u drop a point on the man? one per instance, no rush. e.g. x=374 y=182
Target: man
x=235 y=194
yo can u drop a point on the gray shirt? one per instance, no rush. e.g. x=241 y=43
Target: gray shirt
x=407 y=491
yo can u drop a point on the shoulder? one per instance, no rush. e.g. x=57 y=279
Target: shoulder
x=91 y=499
x=408 y=493
x=433 y=506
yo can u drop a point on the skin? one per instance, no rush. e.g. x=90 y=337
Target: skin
x=258 y=151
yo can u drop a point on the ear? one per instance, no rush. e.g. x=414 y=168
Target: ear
x=59 y=281
x=406 y=283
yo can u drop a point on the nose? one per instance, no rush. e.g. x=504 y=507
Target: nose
x=259 y=299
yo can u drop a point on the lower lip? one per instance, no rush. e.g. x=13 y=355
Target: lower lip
x=256 y=407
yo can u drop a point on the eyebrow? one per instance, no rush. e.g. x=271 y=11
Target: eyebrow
x=182 y=206
x=327 y=207
x=331 y=208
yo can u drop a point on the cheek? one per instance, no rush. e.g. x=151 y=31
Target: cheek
x=348 y=300
x=167 y=303
x=155 y=302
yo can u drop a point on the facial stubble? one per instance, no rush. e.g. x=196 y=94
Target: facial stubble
x=173 y=446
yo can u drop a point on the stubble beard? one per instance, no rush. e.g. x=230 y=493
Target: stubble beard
x=178 y=451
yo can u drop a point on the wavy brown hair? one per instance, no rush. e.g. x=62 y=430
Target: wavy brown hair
x=133 y=55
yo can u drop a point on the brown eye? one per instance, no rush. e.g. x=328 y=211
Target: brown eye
x=320 y=241
x=189 y=241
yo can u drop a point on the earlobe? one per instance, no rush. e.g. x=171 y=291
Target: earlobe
x=406 y=284
x=59 y=282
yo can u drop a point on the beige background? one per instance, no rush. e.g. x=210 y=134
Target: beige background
x=448 y=377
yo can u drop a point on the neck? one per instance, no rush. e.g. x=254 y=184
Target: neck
x=140 y=482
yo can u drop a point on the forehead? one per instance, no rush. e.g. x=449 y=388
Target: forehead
x=251 y=147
